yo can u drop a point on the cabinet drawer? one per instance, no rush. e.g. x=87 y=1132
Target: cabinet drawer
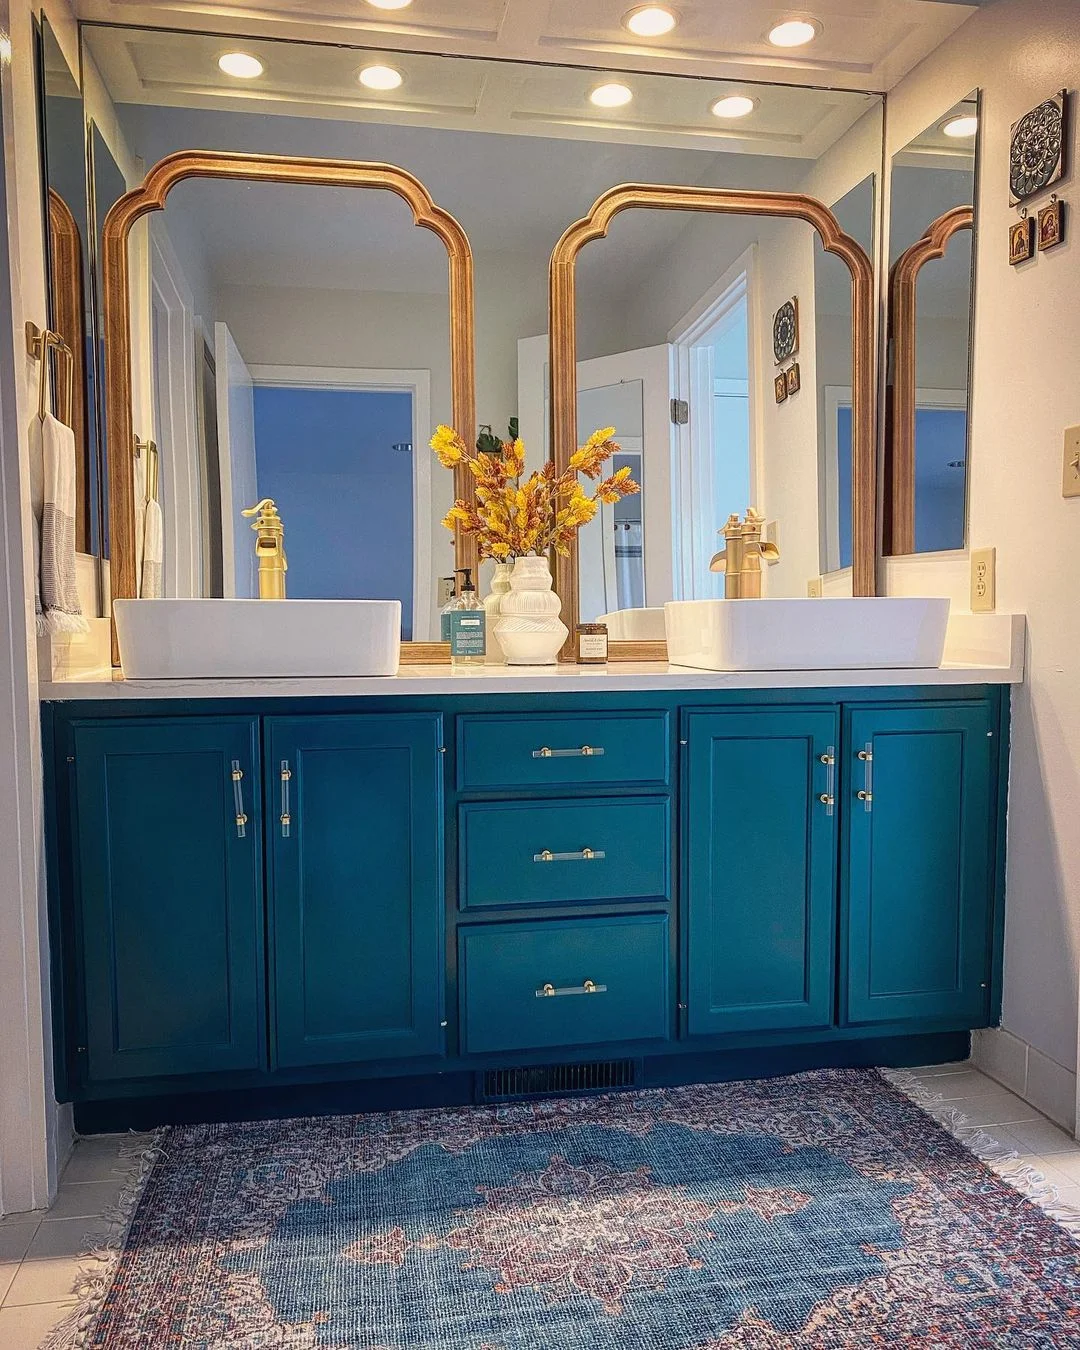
x=505 y=968
x=573 y=852
x=562 y=750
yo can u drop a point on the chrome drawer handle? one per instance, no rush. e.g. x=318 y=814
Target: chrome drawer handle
x=546 y=752
x=286 y=815
x=237 y=776
x=586 y=855
x=549 y=990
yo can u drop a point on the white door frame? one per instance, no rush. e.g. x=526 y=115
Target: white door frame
x=178 y=444
x=418 y=384
x=692 y=475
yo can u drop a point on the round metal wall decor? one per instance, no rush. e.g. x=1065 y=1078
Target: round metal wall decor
x=785 y=331
x=1037 y=149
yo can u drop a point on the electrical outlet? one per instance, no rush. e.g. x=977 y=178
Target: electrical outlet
x=813 y=588
x=1070 y=473
x=445 y=591
x=983 y=580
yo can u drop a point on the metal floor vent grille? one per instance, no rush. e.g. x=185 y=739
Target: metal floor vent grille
x=500 y=1085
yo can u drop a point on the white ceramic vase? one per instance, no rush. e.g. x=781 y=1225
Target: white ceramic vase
x=500 y=586
x=529 y=630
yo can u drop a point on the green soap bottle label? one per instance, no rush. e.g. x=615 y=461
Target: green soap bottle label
x=467 y=628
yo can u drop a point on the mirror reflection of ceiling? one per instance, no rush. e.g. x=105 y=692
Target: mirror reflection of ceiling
x=870 y=45
x=515 y=152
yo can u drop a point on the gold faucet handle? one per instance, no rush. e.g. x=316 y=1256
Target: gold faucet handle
x=770 y=552
x=266 y=511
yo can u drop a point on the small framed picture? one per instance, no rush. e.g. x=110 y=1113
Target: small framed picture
x=780 y=387
x=1051 y=225
x=793 y=379
x=1022 y=240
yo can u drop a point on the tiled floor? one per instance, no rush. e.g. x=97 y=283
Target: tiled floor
x=39 y=1253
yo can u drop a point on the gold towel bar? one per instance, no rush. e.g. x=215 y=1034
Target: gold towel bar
x=38 y=343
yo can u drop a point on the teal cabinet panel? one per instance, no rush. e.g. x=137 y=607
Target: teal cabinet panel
x=760 y=869
x=920 y=863
x=504 y=969
x=579 y=852
x=169 y=901
x=357 y=887
x=562 y=750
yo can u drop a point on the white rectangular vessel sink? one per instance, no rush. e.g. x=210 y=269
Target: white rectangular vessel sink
x=887 y=633
x=234 y=639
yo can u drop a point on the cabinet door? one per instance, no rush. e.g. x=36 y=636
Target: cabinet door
x=357 y=887
x=170 y=896
x=760 y=847
x=920 y=887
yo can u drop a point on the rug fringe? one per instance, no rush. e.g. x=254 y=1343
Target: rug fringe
x=99 y=1261
x=1006 y=1162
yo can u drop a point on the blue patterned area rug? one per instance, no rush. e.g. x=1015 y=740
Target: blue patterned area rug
x=805 y=1213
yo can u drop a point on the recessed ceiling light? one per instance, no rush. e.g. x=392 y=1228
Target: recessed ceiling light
x=961 y=127
x=794 y=33
x=380 y=77
x=611 y=95
x=241 y=65
x=650 y=21
x=733 y=105
x=390 y=4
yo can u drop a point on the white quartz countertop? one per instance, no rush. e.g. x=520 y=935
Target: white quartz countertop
x=980 y=650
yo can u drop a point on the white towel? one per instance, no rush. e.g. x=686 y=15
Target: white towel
x=52 y=453
x=152 y=550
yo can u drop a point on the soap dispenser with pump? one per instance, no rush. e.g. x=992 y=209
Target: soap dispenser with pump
x=468 y=624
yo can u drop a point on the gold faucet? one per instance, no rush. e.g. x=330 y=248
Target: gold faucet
x=269 y=549
x=741 y=558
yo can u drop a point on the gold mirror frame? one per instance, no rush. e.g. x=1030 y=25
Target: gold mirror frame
x=66 y=290
x=899 y=535
x=150 y=196
x=728 y=201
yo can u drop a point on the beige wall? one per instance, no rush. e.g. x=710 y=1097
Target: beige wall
x=1025 y=392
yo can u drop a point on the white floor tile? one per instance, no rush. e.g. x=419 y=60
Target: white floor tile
x=1043 y=1136
x=87 y=1165
x=50 y=1269
x=1067 y=1165
x=24 y=1328
x=936 y=1070
x=85 y=1199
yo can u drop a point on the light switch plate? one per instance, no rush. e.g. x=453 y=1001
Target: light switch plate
x=813 y=588
x=983 y=580
x=445 y=591
x=1070 y=473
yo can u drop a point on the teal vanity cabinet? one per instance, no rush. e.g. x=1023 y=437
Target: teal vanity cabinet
x=168 y=861
x=393 y=900
x=356 y=908
x=920 y=876
x=760 y=843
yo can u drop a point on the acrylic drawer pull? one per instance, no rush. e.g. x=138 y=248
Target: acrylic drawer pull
x=586 y=855
x=828 y=797
x=238 y=799
x=866 y=793
x=549 y=990
x=286 y=817
x=546 y=752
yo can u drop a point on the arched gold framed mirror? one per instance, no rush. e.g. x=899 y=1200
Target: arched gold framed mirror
x=564 y=362
x=150 y=197
x=899 y=506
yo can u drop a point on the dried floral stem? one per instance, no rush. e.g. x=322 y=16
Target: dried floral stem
x=514 y=518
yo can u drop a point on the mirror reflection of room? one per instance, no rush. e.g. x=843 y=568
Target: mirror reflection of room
x=931 y=255
x=372 y=292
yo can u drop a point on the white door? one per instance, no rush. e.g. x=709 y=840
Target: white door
x=632 y=392
x=236 y=450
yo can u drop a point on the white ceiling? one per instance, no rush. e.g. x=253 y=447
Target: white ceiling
x=181 y=70
x=864 y=44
